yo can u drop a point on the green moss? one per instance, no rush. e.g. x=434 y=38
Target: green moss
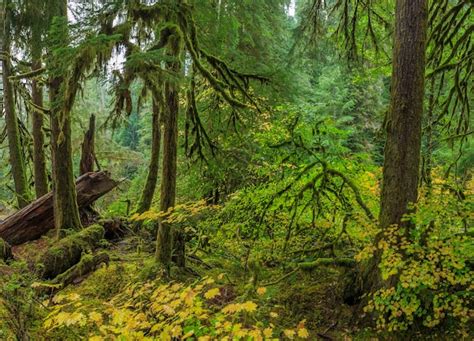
x=67 y=251
x=5 y=250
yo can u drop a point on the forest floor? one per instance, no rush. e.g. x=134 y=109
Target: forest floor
x=311 y=296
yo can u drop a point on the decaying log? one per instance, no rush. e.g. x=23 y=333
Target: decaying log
x=115 y=228
x=67 y=252
x=87 y=264
x=37 y=218
x=5 y=250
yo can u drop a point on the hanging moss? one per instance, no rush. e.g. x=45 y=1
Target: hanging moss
x=67 y=251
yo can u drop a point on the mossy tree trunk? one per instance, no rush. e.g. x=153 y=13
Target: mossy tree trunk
x=39 y=156
x=66 y=211
x=403 y=144
x=86 y=164
x=11 y=121
x=164 y=242
x=152 y=177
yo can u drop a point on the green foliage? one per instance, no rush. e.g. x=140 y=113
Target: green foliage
x=432 y=263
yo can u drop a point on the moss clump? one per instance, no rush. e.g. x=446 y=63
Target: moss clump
x=5 y=250
x=67 y=251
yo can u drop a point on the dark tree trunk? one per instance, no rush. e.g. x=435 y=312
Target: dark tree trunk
x=164 y=242
x=66 y=211
x=88 y=149
x=11 y=121
x=39 y=157
x=37 y=218
x=152 y=177
x=403 y=144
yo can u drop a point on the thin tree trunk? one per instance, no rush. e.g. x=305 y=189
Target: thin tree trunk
x=152 y=177
x=39 y=157
x=164 y=242
x=88 y=149
x=428 y=163
x=168 y=178
x=66 y=211
x=11 y=120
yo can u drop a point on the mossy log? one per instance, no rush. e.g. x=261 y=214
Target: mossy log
x=67 y=252
x=344 y=262
x=37 y=218
x=87 y=264
x=5 y=250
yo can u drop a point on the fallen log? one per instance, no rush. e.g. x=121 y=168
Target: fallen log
x=67 y=252
x=34 y=220
x=87 y=264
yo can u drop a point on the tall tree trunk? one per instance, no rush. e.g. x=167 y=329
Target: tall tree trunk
x=403 y=144
x=152 y=177
x=39 y=157
x=164 y=242
x=11 y=120
x=66 y=211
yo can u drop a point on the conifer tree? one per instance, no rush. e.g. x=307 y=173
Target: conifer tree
x=66 y=211
x=11 y=119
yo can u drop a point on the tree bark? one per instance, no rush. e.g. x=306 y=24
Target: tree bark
x=88 y=149
x=37 y=218
x=66 y=211
x=164 y=241
x=403 y=144
x=11 y=121
x=39 y=157
x=152 y=177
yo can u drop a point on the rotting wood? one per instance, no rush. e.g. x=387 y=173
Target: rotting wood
x=37 y=218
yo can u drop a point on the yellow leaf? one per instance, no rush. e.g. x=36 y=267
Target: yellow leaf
x=273 y=314
x=96 y=338
x=176 y=331
x=303 y=333
x=96 y=317
x=261 y=291
x=249 y=306
x=289 y=333
x=231 y=308
x=74 y=297
x=168 y=310
x=268 y=332
x=210 y=294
